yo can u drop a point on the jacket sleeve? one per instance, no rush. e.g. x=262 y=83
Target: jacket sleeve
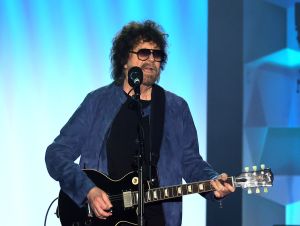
x=65 y=149
x=194 y=167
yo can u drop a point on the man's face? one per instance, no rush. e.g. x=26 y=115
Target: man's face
x=150 y=66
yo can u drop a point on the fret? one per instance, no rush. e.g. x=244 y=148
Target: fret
x=176 y=192
x=207 y=187
x=230 y=181
x=172 y=192
x=161 y=193
x=184 y=189
x=195 y=188
x=151 y=195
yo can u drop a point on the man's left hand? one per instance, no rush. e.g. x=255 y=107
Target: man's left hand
x=222 y=189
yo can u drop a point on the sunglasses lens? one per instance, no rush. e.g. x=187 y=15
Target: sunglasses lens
x=157 y=55
x=144 y=54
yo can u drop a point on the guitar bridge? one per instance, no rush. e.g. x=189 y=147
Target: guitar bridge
x=127 y=199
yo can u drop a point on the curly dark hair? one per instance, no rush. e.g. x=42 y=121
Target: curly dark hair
x=130 y=35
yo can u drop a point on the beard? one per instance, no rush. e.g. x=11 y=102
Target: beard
x=150 y=77
x=149 y=80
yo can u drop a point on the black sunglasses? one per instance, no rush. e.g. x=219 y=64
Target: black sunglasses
x=144 y=54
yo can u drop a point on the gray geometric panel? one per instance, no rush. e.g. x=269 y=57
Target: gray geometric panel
x=255 y=116
x=276 y=89
x=282 y=151
x=272 y=110
x=255 y=138
x=285 y=3
x=272 y=99
x=260 y=211
x=285 y=190
x=264 y=29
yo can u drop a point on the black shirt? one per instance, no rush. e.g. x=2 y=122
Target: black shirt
x=122 y=147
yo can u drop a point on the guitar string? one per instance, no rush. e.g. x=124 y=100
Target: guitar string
x=120 y=196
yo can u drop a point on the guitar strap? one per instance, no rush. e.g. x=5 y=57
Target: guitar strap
x=157 y=118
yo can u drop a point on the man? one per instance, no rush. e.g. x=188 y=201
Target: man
x=103 y=132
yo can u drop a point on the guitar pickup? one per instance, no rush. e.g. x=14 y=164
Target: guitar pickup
x=127 y=199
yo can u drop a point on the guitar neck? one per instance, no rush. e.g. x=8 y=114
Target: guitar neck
x=124 y=195
x=171 y=192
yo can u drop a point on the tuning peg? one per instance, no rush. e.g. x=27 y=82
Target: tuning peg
x=247 y=169
x=257 y=191
x=249 y=191
x=254 y=168
x=265 y=190
x=262 y=166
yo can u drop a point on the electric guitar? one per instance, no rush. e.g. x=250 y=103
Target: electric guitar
x=123 y=194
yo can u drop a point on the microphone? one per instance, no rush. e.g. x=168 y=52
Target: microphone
x=135 y=79
x=135 y=76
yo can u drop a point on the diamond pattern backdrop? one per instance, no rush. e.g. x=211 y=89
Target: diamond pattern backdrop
x=272 y=111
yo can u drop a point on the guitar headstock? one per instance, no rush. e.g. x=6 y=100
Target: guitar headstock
x=256 y=178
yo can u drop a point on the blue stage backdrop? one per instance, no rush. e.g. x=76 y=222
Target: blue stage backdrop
x=52 y=53
x=272 y=109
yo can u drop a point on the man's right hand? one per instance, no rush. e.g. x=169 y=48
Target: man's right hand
x=99 y=202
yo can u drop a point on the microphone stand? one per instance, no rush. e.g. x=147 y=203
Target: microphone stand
x=140 y=157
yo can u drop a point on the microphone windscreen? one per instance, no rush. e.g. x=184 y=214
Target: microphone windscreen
x=135 y=75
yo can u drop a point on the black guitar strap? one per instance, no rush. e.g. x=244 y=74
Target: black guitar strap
x=157 y=118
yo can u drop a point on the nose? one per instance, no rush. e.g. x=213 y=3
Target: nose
x=151 y=57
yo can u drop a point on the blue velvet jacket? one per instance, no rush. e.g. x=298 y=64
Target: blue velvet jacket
x=85 y=135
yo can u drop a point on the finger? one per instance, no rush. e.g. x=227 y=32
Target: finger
x=104 y=213
x=106 y=201
x=223 y=176
x=100 y=217
x=100 y=208
x=218 y=194
x=97 y=213
x=217 y=185
x=99 y=202
x=214 y=185
x=229 y=187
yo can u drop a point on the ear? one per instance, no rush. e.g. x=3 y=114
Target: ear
x=125 y=66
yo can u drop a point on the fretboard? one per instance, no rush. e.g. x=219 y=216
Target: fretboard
x=163 y=193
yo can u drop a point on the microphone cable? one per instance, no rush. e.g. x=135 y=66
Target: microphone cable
x=130 y=92
x=48 y=211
